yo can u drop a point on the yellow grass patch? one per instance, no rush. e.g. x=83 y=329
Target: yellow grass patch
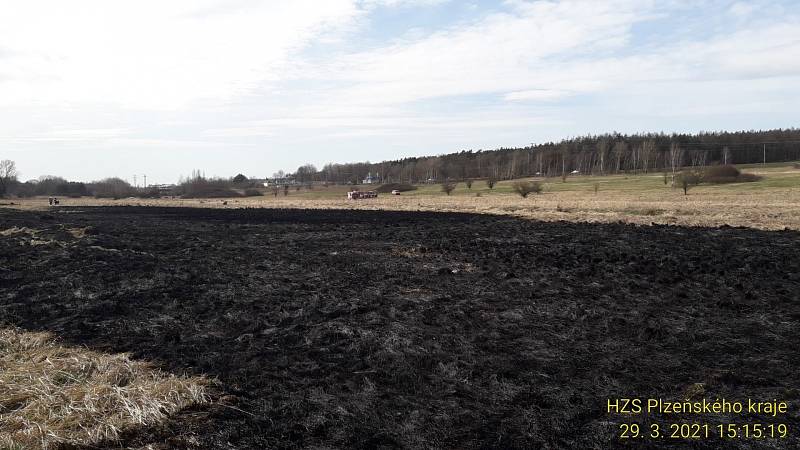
x=18 y=230
x=78 y=233
x=52 y=394
x=33 y=235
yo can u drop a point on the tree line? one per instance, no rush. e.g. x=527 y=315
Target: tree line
x=604 y=154
x=610 y=153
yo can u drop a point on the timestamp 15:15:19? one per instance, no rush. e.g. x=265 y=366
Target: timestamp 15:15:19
x=704 y=431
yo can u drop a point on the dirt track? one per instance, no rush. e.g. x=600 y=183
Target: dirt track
x=375 y=329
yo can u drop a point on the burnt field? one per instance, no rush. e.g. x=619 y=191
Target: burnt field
x=365 y=329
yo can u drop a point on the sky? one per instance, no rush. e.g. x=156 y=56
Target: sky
x=97 y=88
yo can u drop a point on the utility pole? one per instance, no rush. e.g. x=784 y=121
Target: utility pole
x=530 y=153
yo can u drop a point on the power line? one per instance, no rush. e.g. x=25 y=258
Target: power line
x=728 y=144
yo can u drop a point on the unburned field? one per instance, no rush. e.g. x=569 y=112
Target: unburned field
x=392 y=329
x=771 y=203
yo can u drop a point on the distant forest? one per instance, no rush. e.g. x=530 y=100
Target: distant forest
x=602 y=154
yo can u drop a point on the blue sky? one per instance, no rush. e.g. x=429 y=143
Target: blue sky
x=91 y=88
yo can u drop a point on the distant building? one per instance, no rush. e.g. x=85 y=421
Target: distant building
x=164 y=189
x=279 y=181
x=372 y=180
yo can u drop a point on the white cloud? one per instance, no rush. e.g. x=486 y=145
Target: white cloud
x=153 y=54
x=125 y=76
x=401 y=3
x=332 y=125
x=743 y=9
x=537 y=95
x=538 y=54
x=518 y=50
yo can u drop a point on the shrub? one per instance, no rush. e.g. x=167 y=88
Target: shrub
x=523 y=188
x=490 y=182
x=149 y=193
x=448 y=187
x=468 y=183
x=402 y=187
x=49 y=185
x=723 y=171
x=207 y=189
x=115 y=188
x=727 y=174
x=200 y=187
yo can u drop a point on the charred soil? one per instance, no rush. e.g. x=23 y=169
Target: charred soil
x=378 y=329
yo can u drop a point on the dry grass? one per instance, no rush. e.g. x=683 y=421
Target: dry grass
x=52 y=395
x=772 y=203
x=764 y=209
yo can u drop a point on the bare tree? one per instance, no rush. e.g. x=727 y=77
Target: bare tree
x=620 y=149
x=448 y=187
x=602 y=151
x=305 y=173
x=726 y=156
x=698 y=158
x=468 y=182
x=646 y=154
x=685 y=184
x=565 y=153
x=115 y=188
x=540 y=161
x=490 y=182
x=8 y=175
x=687 y=180
x=675 y=159
x=636 y=151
